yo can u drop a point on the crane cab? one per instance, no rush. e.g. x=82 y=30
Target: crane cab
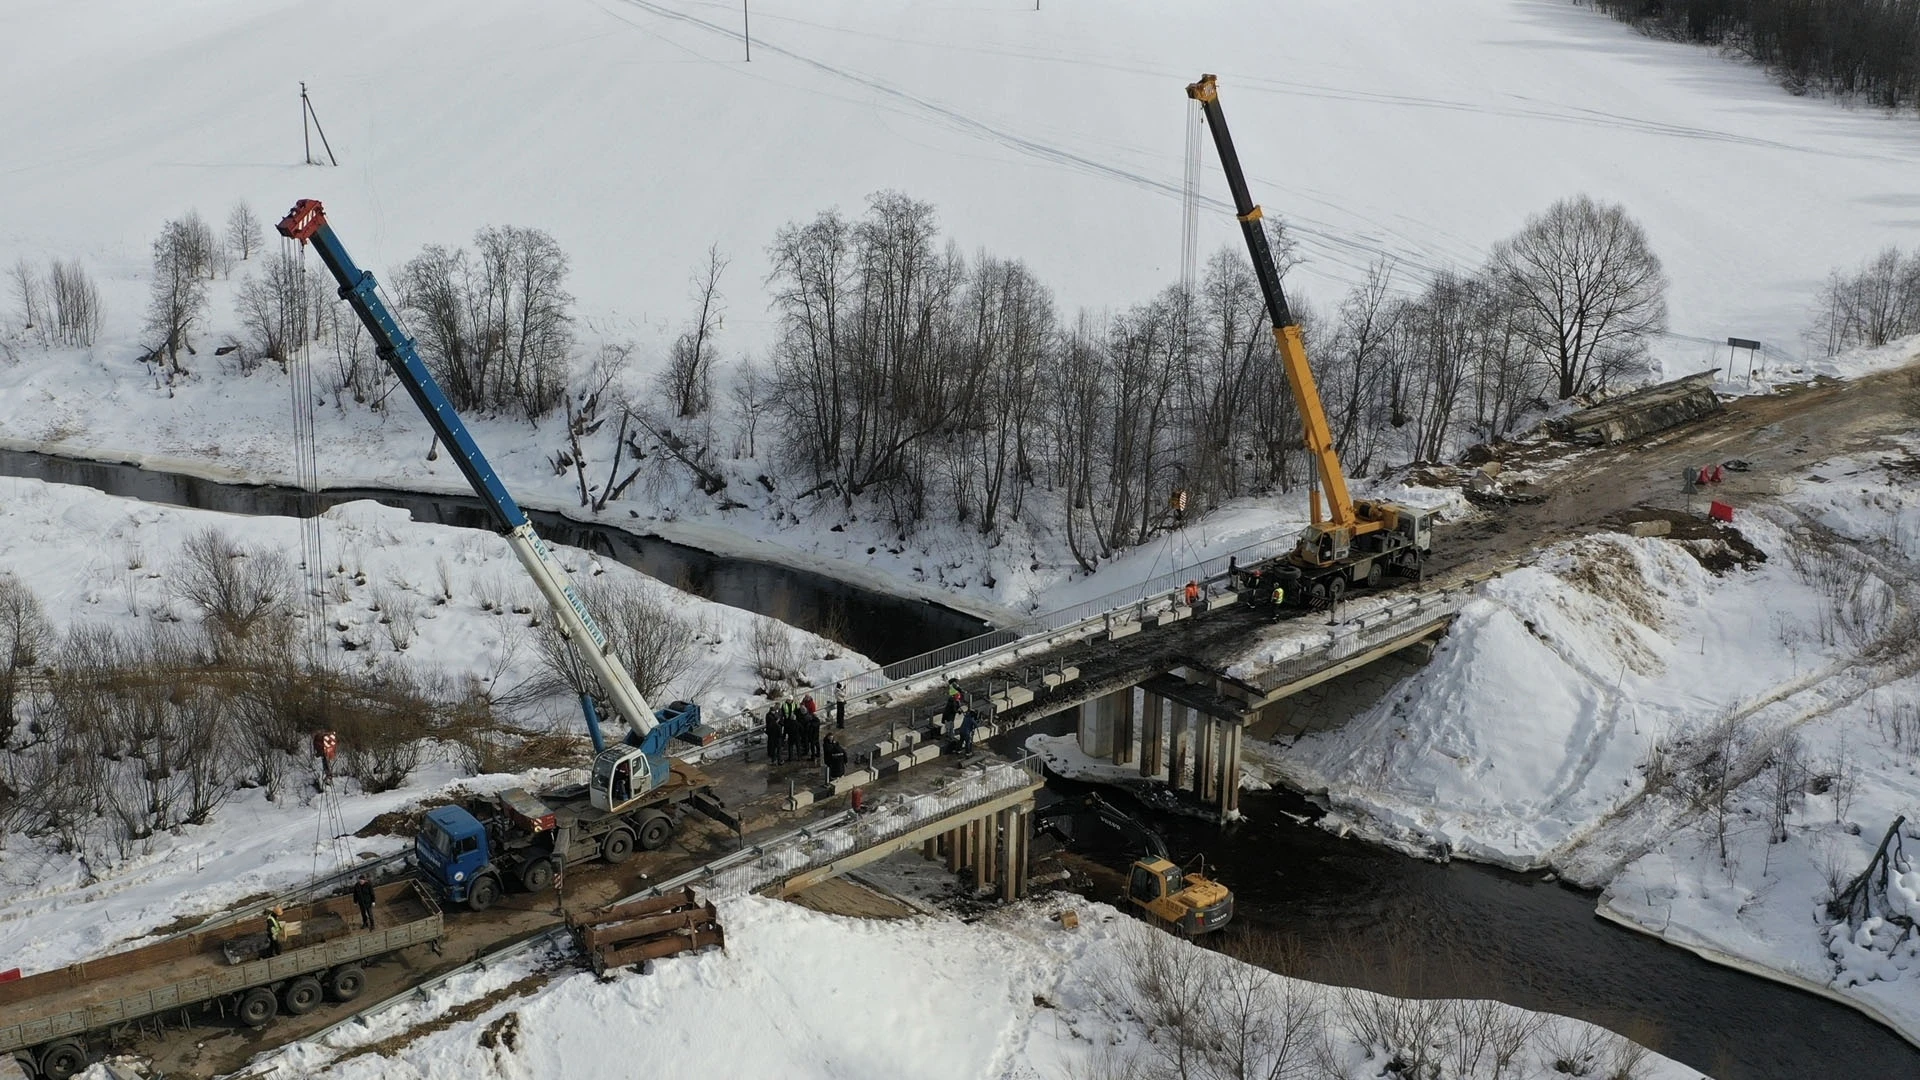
x=622 y=776
x=1191 y=904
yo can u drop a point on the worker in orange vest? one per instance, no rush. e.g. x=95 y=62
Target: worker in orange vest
x=1193 y=593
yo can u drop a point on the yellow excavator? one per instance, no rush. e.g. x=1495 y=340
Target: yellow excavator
x=1189 y=904
x=1348 y=543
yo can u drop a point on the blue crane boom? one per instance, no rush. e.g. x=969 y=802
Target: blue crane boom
x=620 y=776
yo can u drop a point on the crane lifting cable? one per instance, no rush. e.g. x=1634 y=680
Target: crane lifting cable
x=331 y=848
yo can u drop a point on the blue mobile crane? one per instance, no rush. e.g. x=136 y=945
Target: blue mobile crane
x=471 y=854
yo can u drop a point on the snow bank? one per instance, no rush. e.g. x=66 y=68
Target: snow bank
x=96 y=560
x=803 y=995
x=1556 y=681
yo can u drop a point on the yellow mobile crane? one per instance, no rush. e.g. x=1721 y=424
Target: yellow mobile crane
x=1348 y=543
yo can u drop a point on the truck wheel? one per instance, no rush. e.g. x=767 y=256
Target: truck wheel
x=655 y=830
x=302 y=996
x=617 y=847
x=63 y=1059
x=1317 y=596
x=537 y=876
x=345 y=982
x=257 y=1007
x=1374 y=574
x=483 y=893
x=1336 y=589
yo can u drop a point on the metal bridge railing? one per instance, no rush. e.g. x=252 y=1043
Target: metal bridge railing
x=1140 y=600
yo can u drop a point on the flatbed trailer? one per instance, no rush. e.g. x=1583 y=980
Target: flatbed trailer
x=52 y=1021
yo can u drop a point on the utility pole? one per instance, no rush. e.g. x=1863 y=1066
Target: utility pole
x=746 y=31
x=307 y=114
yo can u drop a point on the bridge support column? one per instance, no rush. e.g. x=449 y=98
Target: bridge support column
x=1206 y=769
x=1096 y=729
x=1182 y=746
x=1119 y=708
x=1153 y=733
x=1013 y=873
x=1230 y=769
x=955 y=856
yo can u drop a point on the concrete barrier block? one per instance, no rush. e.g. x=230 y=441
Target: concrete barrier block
x=923 y=754
x=1656 y=527
x=904 y=761
x=1214 y=603
x=852 y=780
x=1012 y=696
x=1123 y=629
x=800 y=800
x=884 y=747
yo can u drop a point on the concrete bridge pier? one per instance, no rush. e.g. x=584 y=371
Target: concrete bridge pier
x=992 y=848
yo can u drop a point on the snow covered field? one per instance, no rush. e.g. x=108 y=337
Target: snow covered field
x=1616 y=710
x=803 y=995
x=635 y=133
x=60 y=906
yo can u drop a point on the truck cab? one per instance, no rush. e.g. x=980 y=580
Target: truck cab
x=452 y=851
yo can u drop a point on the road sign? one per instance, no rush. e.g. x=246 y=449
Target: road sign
x=1743 y=343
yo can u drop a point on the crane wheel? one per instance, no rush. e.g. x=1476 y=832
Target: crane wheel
x=258 y=1007
x=1336 y=589
x=1374 y=574
x=302 y=996
x=1317 y=596
x=345 y=982
x=655 y=830
x=484 y=892
x=617 y=847
x=537 y=875
x=62 y=1060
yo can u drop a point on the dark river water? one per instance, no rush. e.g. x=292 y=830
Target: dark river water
x=1362 y=915
x=1368 y=917
x=884 y=627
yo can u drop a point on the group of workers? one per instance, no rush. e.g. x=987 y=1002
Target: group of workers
x=1253 y=582
x=795 y=733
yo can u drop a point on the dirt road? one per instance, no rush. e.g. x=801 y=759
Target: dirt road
x=1779 y=435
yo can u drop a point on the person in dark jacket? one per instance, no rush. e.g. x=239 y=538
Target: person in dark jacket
x=790 y=721
x=776 y=734
x=810 y=732
x=967 y=726
x=956 y=697
x=835 y=755
x=363 y=899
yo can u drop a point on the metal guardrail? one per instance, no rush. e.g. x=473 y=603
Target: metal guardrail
x=739 y=730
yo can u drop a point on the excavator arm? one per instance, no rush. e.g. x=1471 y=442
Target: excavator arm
x=1335 y=525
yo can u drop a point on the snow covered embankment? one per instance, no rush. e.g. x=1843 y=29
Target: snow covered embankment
x=799 y=994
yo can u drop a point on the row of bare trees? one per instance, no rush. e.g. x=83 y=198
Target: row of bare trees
x=62 y=306
x=115 y=733
x=1864 y=48
x=1870 y=306
x=949 y=388
x=1210 y=1016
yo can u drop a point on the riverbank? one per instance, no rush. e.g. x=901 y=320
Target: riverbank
x=1716 y=736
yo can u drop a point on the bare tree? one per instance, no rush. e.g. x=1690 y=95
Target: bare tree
x=26 y=640
x=1589 y=287
x=76 y=304
x=750 y=403
x=202 y=251
x=496 y=329
x=243 y=232
x=178 y=300
x=27 y=294
x=234 y=588
x=1871 y=306
x=657 y=643
x=689 y=374
x=273 y=308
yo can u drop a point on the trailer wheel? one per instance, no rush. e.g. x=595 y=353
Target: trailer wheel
x=617 y=847
x=62 y=1059
x=257 y=1007
x=537 y=875
x=345 y=982
x=655 y=829
x=302 y=996
x=483 y=893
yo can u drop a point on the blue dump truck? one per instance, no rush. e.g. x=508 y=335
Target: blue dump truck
x=473 y=854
